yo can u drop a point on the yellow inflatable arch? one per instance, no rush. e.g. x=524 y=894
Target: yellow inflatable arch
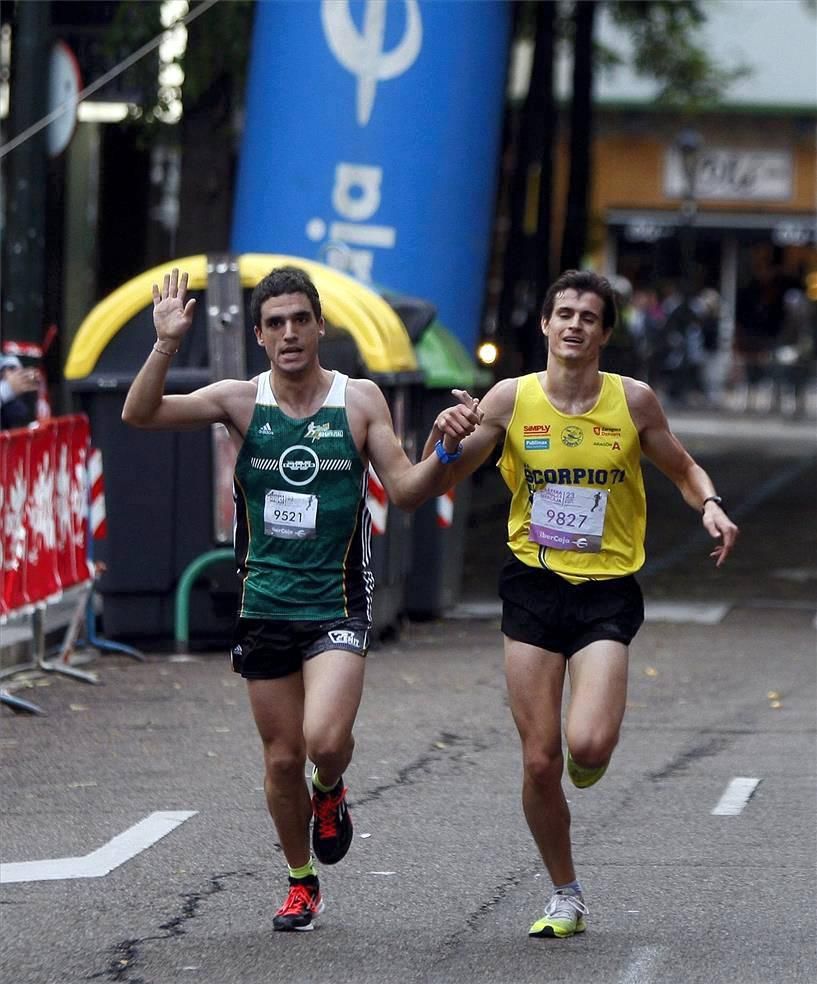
x=381 y=337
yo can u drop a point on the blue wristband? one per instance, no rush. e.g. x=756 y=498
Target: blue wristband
x=444 y=456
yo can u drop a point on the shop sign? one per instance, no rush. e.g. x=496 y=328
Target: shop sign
x=731 y=175
x=795 y=234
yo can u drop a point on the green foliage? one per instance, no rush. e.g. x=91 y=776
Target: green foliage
x=665 y=48
x=665 y=43
x=217 y=53
x=219 y=49
x=134 y=24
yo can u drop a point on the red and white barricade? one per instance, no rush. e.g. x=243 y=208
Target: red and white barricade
x=44 y=503
x=96 y=481
x=445 y=510
x=377 y=502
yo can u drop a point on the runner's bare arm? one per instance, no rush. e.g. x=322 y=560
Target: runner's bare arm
x=228 y=401
x=146 y=404
x=665 y=451
x=407 y=486
x=496 y=408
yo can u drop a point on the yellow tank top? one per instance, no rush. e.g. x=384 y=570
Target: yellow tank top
x=599 y=450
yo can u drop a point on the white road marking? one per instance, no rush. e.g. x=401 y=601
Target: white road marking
x=104 y=859
x=797 y=574
x=639 y=971
x=704 y=613
x=476 y=610
x=682 y=612
x=735 y=797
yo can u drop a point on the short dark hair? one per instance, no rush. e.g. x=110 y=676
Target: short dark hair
x=284 y=280
x=583 y=282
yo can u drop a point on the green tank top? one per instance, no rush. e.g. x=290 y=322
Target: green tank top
x=302 y=528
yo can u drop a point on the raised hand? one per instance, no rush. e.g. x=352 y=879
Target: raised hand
x=172 y=312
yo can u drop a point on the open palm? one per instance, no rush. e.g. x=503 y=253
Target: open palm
x=172 y=311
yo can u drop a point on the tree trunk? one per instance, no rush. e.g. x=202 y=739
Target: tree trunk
x=574 y=236
x=528 y=263
x=208 y=139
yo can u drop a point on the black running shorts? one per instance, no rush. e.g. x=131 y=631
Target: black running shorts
x=265 y=649
x=542 y=609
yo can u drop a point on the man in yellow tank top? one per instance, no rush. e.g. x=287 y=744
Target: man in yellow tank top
x=572 y=439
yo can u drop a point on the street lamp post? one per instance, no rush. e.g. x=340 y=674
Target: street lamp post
x=681 y=361
x=688 y=145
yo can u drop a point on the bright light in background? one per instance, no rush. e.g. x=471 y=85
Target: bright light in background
x=488 y=353
x=5 y=69
x=171 y=50
x=104 y=112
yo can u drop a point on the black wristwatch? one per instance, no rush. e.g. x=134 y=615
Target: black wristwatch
x=712 y=498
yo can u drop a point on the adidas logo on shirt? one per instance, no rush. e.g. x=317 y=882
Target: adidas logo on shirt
x=266 y=430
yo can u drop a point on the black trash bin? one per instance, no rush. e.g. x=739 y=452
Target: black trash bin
x=440 y=526
x=169 y=495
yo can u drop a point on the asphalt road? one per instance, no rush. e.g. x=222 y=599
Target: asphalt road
x=442 y=879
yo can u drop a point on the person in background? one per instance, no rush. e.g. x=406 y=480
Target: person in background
x=16 y=381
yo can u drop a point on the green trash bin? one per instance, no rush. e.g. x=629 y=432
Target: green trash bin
x=440 y=526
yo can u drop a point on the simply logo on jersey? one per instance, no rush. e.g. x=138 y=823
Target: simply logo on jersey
x=298 y=465
x=362 y=52
x=316 y=432
x=265 y=430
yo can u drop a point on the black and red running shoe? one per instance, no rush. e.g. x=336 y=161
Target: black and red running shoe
x=303 y=905
x=332 y=827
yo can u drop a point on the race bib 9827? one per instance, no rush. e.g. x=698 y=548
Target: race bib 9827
x=568 y=517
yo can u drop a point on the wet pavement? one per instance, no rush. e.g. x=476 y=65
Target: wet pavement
x=442 y=879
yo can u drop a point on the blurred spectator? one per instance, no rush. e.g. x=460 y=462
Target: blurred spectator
x=708 y=306
x=681 y=356
x=621 y=352
x=15 y=383
x=795 y=351
x=758 y=321
x=647 y=327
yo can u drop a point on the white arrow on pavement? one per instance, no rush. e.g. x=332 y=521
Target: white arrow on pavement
x=104 y=859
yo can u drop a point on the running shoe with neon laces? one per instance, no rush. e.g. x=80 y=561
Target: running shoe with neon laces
x=302 y=906
x=564 y=916
x=332 y=829
x=582 y=777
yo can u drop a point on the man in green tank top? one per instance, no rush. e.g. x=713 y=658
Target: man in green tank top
x=572 y=439
x=305 y=437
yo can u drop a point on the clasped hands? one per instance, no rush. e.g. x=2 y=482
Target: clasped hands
x=457 y=422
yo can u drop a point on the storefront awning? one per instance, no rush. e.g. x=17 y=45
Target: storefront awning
x=649 y=225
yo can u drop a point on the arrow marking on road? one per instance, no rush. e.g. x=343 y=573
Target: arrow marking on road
x=735 y=797
x=104 y=859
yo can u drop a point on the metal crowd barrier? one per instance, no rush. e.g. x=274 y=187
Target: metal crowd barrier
x=46 y=540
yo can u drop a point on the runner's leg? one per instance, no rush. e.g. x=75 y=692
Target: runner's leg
x=535 y=680
x=333 y=684
x=598 y=696
x=278 y=709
